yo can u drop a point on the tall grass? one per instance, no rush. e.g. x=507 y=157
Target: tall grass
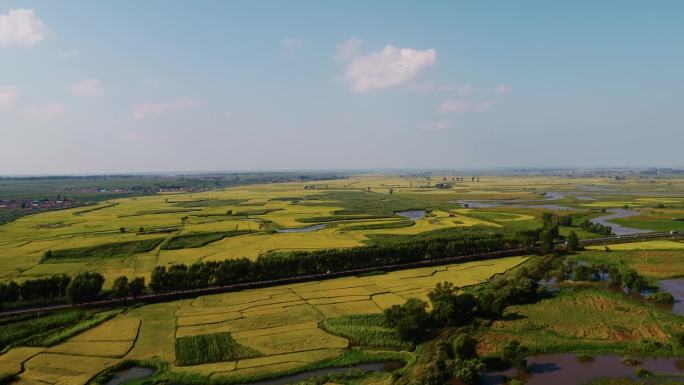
x=14 y=334
x=365 y=330
x=206 y=348
x=54 y=337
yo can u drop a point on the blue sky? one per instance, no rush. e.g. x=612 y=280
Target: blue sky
x=125 y=86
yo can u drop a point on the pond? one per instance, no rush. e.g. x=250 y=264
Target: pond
x=411 y=214
x=566 y=369
x=302 y=229
x=387 y=366
x=132 y=373
x=675 y=287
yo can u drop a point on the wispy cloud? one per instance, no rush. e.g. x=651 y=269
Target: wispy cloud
x=21 y=28
x=437 y=126
x=502 y=89
x=387 y=68
x=451 y=106
x=68 y=53
x=147 y=110
x=88 y=87
x=464 y=90
x=290 y=46
x=43 y=113
x=482 y=106
x=348 y=49
x=8 y=97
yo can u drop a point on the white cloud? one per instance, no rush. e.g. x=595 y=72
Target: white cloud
x=390 y=67
x=21 y=28
x=147 y=110
x=438 y=126
x=88 y=87
x=68 y=53
x=450 y=106
x=8 y=97
x=464 y=90
x=502 y=89
x=348 y=49
x=290 y=46
x=44 y=113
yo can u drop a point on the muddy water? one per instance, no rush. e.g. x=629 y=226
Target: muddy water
x=388 y=366
x=676 y=288
x=302 y=229
x=132 y=373
x=566 y=369
x=412 y=214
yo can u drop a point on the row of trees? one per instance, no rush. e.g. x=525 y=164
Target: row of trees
x=84 y=287
x=301 y=263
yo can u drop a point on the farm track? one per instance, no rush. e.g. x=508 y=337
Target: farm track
x=183 y=294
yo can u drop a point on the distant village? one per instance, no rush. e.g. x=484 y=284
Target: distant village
x=30 y=205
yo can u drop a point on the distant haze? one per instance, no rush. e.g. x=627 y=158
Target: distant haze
x=130 y=86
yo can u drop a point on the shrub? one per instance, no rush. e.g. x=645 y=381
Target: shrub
x=662 y=297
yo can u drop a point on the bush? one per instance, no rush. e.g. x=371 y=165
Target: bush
x=464 y=347
x=585 y=358
x=630 y=361
x=516 y=355
x=662 y=297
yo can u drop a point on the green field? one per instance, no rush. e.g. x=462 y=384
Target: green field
x=247 y=333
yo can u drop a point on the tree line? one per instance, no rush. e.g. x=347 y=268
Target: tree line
x=302 y=263
x=84 y=287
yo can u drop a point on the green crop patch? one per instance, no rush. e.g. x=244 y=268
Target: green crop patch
x=365 y=330
x=207 y=348
x=208 y=202
x=384 y=225
x=106 y=250
x=194 y=240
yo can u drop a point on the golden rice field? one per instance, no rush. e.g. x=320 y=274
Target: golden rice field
x=282 y=323
x=24 y=241
x=646 y=245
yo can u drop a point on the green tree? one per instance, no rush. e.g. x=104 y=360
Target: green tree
x=410 y=319
x=137 y=286
x=121 y=287
x=85 y=287
x=573 y=242
x=515 y=354
x=464 y=347
x=469 y=371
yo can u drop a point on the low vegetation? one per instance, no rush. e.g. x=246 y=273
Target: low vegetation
x=206 y=348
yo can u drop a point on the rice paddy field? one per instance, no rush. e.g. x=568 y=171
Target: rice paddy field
x=130 y=236
x=263 y=331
